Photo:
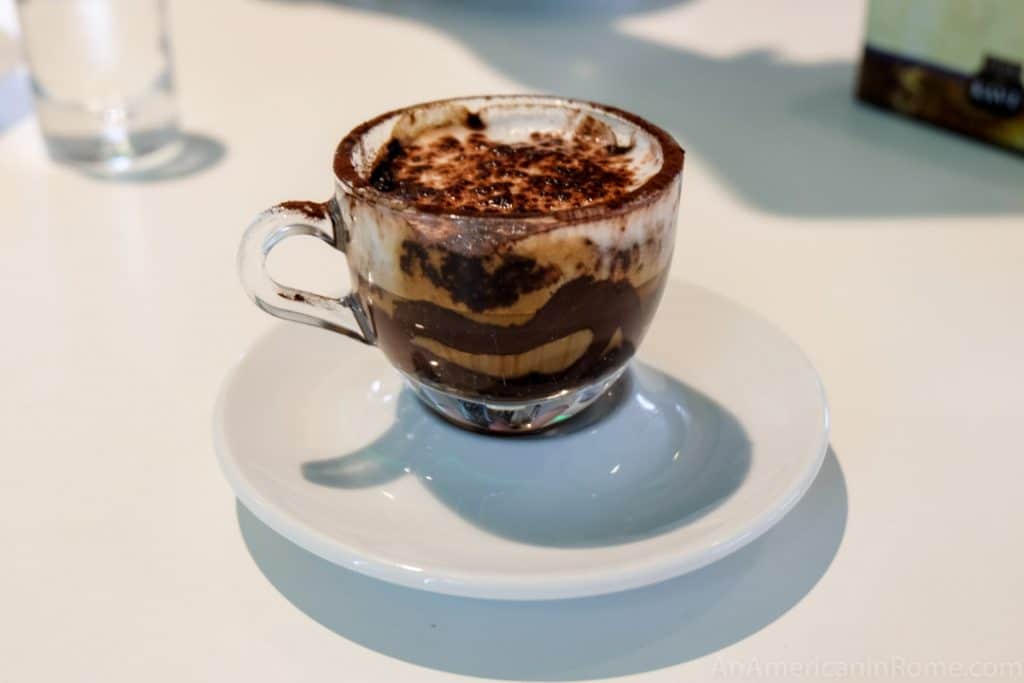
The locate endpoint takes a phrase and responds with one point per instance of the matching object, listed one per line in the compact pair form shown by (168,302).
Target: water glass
(102,79)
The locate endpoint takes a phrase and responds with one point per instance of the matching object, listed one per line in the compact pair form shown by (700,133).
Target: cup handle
(270,228)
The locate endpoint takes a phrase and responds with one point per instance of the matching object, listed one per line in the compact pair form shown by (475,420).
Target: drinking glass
(102,79)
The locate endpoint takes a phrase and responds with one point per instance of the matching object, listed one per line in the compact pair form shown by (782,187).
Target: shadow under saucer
(651,454)
(613,635)
(194,153)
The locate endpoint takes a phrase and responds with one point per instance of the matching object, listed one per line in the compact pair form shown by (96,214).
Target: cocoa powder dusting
(479,176)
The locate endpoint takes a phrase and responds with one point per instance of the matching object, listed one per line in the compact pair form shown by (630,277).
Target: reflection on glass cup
(506,253)
(102,79)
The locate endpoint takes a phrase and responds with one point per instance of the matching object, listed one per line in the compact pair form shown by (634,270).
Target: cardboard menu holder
(953,63)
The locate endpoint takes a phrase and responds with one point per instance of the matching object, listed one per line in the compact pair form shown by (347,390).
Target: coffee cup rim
(352,181)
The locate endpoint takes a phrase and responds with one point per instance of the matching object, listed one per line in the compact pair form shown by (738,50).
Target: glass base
(513,417)
(117,155)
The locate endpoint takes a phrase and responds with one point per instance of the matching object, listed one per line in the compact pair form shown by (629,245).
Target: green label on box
(951,33)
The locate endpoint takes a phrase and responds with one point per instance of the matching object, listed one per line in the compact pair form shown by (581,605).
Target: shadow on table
(786,136)
(614,635)
(571,487)
(194,154)
(15,96)
(15,99)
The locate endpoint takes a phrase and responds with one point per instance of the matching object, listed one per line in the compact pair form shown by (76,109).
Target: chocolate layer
(469,281)
(585,330)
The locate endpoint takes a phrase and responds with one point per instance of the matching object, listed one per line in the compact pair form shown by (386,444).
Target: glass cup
(102,80)
(501,323)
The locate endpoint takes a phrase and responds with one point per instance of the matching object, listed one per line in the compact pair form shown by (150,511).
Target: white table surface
(892,253)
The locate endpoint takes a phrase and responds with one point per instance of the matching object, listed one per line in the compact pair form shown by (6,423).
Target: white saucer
(718,430)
